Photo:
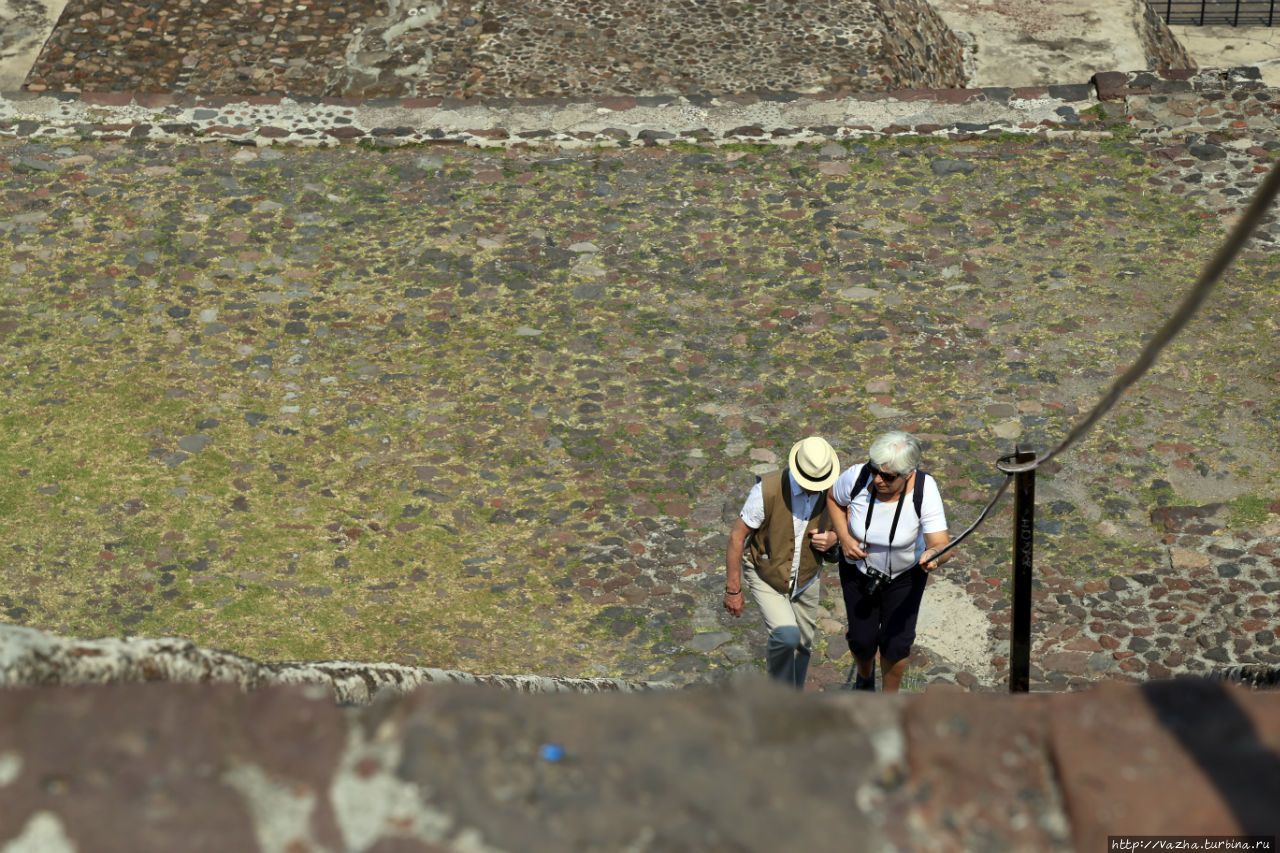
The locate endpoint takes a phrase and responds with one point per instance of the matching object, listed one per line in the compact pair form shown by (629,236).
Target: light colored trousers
(790,623)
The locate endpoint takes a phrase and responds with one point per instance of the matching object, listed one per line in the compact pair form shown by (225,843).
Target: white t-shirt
(908,540)
(801,508)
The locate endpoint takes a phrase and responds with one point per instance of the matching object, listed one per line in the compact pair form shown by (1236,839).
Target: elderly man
(784,528)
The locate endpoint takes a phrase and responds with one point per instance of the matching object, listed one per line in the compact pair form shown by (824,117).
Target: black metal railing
(1232,13)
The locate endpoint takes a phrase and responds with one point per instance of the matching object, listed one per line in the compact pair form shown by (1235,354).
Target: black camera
(873,580)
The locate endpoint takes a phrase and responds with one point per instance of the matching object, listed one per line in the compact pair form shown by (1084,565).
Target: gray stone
(944,167)
(1207,152)
(709,641)
(194,443)
(1101,662)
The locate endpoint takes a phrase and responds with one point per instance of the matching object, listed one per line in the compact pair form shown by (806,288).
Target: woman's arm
(840,520)
(934,542)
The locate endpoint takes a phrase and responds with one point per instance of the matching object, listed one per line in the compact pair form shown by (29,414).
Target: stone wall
(1171,103)
(1175,104)
(920,50)
(500,48)
(33,658)
(1162,47)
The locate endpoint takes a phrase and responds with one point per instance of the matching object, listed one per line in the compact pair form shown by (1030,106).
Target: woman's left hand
(929,560)
(823,541)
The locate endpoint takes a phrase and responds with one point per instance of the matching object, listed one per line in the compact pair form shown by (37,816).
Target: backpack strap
(917,496)
(863,481)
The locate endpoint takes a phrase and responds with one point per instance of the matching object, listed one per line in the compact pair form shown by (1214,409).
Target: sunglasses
(887,476)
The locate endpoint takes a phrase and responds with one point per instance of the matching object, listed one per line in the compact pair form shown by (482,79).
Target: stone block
(1183,757)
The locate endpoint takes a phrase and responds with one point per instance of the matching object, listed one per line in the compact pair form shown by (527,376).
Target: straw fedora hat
(814,464)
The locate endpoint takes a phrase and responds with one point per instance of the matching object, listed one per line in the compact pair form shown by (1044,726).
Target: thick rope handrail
(999,492)
(1239,235)
(1235,241)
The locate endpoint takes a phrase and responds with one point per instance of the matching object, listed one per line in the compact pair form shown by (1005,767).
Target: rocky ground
(495,410)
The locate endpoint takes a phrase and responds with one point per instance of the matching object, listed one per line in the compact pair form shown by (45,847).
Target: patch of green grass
(1248,511)
(749,147)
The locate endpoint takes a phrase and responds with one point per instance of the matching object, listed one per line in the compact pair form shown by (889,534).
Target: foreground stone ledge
(29,657)
(450,767)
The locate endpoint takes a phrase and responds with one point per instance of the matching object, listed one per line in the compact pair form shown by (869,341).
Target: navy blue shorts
(885,620)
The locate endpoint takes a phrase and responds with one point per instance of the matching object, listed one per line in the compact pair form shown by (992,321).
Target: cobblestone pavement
(330,388)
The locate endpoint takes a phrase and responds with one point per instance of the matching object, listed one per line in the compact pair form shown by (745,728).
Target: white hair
(897,451)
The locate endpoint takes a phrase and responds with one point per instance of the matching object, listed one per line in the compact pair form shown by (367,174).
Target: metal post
(1024,514)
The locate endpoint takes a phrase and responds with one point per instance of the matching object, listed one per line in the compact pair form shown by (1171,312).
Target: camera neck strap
(893,525)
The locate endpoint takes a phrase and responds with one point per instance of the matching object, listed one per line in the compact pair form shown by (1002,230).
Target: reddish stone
(913,94)
(1071,663)
(977,769)
(617,104)
(1109,642)
(138,766)
(1169,758)
(107,99)
(156,100)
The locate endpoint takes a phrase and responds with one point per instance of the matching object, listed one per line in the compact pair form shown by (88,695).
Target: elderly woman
(889,518)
